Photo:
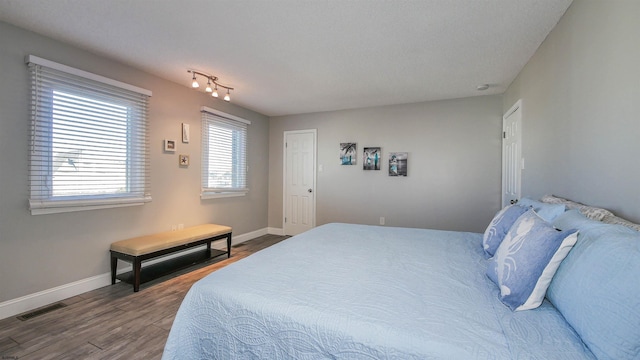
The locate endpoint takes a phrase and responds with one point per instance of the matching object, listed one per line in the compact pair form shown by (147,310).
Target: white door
(512,154)
(299,181)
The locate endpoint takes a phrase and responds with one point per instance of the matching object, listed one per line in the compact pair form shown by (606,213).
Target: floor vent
(41,311)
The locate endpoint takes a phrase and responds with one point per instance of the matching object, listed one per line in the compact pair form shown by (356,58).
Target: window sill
(205,196)
(38,208)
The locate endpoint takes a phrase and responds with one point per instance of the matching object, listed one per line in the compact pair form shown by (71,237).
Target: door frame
(517,107)
(284,173)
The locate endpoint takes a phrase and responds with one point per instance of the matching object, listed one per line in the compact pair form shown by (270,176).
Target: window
(224,154)
(88,140)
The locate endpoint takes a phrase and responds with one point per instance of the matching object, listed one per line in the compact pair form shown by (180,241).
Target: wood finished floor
(113,322)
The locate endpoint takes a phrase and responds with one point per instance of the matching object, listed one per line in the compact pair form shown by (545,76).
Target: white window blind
(89,145)
(224,155)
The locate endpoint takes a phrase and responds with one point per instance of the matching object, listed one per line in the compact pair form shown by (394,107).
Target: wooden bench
(136,250)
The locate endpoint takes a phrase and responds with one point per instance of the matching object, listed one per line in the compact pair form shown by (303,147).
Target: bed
(345,291)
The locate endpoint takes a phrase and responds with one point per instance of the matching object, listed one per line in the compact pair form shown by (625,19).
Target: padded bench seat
(138,249)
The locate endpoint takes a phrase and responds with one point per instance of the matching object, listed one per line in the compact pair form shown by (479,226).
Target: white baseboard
(275,231)
(42,298)
(33,301)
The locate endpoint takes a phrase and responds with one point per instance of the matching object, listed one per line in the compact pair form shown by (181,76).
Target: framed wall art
(398,163)
(372,158)
(183,160)
(185,133)
(348,153)
(169,145)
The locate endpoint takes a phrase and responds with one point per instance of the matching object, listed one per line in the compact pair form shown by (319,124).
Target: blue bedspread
(345,291)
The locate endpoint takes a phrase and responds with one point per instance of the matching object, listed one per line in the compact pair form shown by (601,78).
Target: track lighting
(210,80)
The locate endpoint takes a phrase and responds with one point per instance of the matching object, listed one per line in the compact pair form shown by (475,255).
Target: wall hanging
(183,160)
(169,145)
(398,163)
(372,158)
(348,153)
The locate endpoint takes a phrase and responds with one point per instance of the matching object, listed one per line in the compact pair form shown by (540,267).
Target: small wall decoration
(169,145)
(348,153)
(372,158)
(398,163)
(185,133)
(184,160)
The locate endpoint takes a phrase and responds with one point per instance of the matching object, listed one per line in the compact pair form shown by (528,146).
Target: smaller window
(224,154)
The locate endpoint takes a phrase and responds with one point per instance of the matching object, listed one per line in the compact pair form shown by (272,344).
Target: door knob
(310,190)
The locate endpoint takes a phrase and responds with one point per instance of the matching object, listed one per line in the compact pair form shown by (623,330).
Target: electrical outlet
(180,226)
(173,228)
(381,220)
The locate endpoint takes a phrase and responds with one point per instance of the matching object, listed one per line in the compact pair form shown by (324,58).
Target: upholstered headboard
(592,212)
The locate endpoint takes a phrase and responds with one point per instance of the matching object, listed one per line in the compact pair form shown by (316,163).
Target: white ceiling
(299,56)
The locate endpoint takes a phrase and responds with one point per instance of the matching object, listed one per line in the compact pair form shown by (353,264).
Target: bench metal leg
(137,267)
(229,246)
(114,265)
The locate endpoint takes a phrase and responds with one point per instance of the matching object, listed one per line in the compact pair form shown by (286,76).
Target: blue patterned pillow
(546,211)
(499,227)
(527,259)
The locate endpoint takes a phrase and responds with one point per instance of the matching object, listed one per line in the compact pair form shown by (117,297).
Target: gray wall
(581,108)
(454,164)
(44,251)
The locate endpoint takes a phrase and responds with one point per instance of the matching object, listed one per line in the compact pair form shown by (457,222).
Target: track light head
(208,89)
(195,84)
(227,97)
(215,92)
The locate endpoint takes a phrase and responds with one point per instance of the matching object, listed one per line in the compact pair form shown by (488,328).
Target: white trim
(248,236)
(33,301)
(58,210)
(224,115)
(42,298)
(513,109)
(39,207)
(215,195)
(32,59)
(275,231)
